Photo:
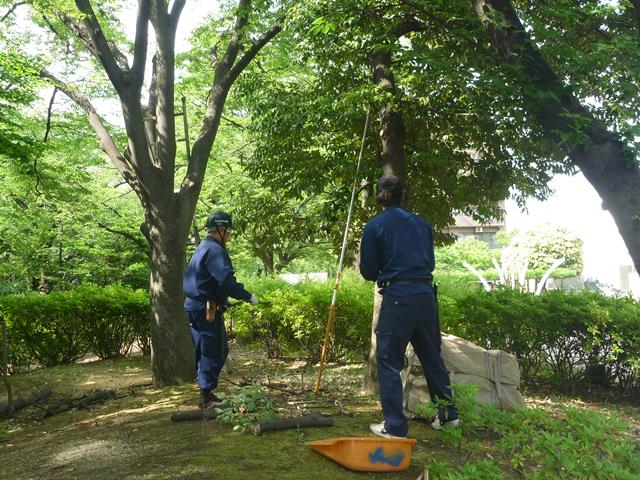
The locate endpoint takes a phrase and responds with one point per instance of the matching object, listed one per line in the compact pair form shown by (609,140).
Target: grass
(132,436)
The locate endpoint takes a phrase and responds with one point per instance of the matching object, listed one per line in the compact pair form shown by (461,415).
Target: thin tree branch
(49,110)
(89,31)
(254,49)
(636,12)
(140,46)
(137,240)
(225,74)
(231,122)
(408,25)
(242,18)
(11,10)
(106,141)
(174,15)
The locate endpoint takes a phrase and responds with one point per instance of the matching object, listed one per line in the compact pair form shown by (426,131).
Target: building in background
(467,227)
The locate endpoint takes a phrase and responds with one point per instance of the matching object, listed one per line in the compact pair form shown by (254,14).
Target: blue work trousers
(211,345)
(404,319)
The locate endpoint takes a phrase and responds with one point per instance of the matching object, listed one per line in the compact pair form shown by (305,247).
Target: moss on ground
(132,436)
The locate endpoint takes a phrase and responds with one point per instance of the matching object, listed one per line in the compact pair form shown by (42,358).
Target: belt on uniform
(424,281)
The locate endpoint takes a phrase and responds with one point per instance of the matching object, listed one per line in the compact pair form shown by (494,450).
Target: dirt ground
(132,436)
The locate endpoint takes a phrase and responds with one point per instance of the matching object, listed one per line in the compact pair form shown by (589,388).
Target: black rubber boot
(208,399)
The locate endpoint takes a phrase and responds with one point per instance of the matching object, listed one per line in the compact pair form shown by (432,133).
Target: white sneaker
(438,425)
(378,429)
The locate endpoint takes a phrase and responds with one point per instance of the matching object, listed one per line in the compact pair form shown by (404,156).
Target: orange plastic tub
(367,454)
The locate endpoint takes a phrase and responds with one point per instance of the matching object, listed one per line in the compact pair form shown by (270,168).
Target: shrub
(63,326)
(293,318)
(570,339)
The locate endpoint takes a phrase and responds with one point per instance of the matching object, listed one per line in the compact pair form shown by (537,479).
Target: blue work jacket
(210,276)
(397,245)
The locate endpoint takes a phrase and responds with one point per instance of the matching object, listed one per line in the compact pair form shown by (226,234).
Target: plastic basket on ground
(367,454)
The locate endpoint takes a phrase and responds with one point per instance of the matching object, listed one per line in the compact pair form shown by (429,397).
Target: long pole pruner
(332,308)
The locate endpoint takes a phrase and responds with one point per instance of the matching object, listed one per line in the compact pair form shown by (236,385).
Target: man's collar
(209,237)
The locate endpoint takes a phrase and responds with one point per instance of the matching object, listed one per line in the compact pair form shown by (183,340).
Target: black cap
(389,183)
(217,220)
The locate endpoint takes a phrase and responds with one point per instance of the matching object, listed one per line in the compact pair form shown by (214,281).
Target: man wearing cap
(207,284)
(397,252)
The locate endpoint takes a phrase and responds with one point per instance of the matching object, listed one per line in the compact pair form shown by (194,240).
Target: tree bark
(392,129)
(172,359)
(605,161)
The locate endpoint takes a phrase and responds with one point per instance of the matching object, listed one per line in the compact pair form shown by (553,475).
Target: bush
(293,318)
(63,326)
(570,339)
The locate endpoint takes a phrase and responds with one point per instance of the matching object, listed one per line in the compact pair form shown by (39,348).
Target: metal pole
(332,308)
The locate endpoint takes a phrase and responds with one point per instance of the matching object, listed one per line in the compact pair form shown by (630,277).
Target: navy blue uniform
(397,252)
(210,276)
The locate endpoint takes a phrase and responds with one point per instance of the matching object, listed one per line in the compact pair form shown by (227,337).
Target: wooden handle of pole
(325,345)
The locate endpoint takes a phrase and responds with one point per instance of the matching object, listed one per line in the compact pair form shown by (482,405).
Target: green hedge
(291,319)
(569,340)
(63,326)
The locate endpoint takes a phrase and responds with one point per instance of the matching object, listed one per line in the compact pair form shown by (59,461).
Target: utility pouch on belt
(212,307)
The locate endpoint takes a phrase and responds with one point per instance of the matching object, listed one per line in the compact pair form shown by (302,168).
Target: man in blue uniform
(207,284)
(397,252)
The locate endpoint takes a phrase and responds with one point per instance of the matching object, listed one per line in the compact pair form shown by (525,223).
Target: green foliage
(62,326)
(535,445)
(245,406)
(571,339)
(293,318)
(69,221)
(311,110)
(475,252)
(547,242)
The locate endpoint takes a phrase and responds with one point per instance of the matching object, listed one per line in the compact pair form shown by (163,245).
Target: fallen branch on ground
(193,415)
(295,422)
(83,402)
(25,401)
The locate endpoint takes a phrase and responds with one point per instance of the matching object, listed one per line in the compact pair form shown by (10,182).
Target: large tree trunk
(605,162)
(392,129)
(392,136)
(172,351)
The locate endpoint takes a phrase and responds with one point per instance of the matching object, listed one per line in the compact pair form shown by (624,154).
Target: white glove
(254,299)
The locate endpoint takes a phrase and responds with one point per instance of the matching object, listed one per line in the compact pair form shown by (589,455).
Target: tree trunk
(172,357)
(392,129)
(371,369)
(605,162)
(392,135)
(267,260)
(148,161)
